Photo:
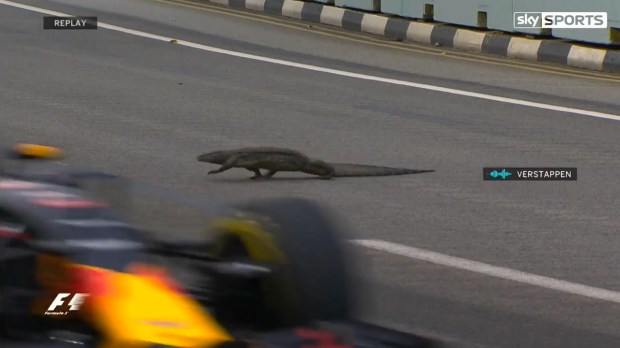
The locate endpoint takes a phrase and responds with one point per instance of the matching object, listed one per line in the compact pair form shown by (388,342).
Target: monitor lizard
(275,160)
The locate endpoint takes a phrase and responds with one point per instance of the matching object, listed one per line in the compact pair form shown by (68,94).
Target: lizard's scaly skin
(275,159)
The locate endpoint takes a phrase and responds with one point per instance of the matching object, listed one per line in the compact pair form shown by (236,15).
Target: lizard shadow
(282,179)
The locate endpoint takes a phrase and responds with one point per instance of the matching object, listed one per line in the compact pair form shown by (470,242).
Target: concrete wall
(498,14)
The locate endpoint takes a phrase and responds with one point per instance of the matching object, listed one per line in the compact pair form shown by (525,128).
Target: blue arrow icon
(503,174)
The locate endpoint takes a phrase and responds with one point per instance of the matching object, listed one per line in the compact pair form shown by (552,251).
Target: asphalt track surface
(145,109)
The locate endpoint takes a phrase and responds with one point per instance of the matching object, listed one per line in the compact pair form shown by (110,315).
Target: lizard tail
(349,170)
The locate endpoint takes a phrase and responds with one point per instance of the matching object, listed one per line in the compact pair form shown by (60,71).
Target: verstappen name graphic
(75,304)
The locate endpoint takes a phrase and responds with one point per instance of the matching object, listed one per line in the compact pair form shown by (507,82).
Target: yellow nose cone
(37,151)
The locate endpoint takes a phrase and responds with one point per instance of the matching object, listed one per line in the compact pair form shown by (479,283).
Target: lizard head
(217,157)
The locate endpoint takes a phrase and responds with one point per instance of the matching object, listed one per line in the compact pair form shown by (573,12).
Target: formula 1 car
(270,273)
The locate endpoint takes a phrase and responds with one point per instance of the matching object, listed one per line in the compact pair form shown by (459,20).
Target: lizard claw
(212,172)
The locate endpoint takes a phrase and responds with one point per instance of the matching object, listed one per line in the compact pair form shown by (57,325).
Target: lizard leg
(270,173)
(257,173)
(226,166)
(327,176)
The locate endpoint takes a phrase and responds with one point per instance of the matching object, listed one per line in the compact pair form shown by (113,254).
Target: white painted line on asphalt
(333,71)
(490,270)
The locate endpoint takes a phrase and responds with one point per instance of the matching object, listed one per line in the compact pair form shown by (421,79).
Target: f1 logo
(74,305)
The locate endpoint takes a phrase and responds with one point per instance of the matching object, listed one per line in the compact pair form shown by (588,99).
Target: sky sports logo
(560,20)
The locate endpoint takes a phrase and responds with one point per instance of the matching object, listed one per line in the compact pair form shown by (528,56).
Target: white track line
(493,271)
(332,71)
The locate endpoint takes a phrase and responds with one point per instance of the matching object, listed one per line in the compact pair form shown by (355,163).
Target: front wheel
(313,282)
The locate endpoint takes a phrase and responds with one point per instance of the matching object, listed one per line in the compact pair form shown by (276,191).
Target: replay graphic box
(69,23)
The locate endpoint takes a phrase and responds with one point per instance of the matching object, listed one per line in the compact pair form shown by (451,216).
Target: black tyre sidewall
(314,283)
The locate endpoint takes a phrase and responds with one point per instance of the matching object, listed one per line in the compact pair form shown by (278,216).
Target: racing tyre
(313,283)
